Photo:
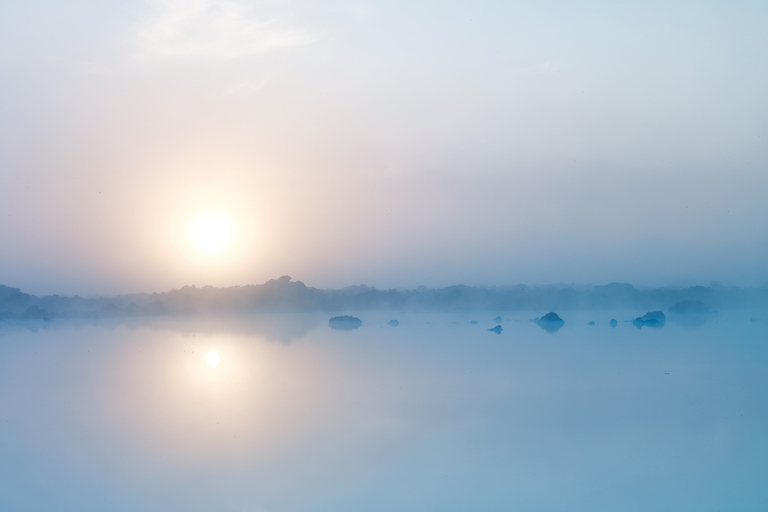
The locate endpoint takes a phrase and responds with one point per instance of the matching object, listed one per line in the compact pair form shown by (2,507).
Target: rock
(650,319)
(496,329)
(473,322)
(393,323)
(344,323)
(551,317)
(550,322)
(591,324)
(614,322)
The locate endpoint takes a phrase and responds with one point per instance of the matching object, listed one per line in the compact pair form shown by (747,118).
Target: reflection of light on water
(212,397)
(212,358)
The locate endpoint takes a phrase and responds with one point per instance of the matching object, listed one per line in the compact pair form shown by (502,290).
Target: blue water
(434,414)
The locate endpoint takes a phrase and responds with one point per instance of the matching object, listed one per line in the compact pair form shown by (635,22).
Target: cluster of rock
(551,322)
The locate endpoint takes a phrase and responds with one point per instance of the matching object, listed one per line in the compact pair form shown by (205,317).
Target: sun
(212,233)
(212,358)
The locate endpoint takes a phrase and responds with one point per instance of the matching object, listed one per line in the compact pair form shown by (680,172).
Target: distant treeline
(284,295)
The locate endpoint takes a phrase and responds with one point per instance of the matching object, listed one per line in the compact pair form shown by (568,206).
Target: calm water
(435,414)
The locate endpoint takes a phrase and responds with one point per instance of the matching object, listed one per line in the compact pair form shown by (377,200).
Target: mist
(305,255)
(393,145)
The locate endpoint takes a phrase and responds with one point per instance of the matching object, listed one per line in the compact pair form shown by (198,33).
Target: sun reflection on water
(217,397)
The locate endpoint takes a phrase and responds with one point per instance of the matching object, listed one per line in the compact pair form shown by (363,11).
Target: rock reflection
(689,321)
(550,328)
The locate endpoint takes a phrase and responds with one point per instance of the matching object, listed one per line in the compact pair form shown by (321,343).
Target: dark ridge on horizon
(285,295)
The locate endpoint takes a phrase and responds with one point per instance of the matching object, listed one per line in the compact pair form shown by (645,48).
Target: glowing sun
(212,358)
(212,233)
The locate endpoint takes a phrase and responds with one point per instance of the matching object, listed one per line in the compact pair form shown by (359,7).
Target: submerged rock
(690,313)
(689,307)
(473,322)
(344,323)
(614,322)
(496,329)
(655,319)
(549,322)
(497,319)
(393,323)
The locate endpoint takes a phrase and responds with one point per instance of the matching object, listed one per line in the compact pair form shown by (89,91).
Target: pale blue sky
(390,143)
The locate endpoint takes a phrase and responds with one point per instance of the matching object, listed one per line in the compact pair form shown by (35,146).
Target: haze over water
(393,144)
(161,159)
(435,414)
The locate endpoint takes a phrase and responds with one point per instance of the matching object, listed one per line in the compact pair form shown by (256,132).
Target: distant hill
(285,295)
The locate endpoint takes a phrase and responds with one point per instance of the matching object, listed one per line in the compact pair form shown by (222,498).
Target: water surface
(434,414)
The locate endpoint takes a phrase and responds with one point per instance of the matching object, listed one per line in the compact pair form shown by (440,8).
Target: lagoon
(436,413)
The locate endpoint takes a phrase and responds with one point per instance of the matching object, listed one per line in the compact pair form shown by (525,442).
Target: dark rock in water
(592,324)
(689,307)
(614,322)
(550,322)
(550,317)
(496,329)
(650,319)
(497,319)
(344,323)
(473,322)
(393,323)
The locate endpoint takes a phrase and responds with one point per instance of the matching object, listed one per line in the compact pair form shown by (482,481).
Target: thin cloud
(360,12)
(215,30)
(245,88)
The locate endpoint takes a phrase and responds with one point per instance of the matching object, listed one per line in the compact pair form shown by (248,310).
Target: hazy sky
(388,143)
